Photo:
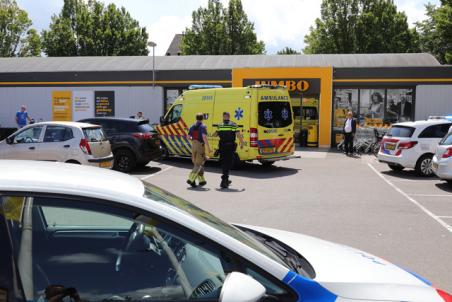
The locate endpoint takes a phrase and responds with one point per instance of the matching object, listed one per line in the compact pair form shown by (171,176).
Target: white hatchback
(413,144)
(68,142)
(442,161)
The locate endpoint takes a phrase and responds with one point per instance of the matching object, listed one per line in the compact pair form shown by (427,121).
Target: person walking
(199,143)
(228,132)
(349,133)
(22,117)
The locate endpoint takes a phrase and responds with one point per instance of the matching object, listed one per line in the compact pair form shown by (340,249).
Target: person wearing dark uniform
(228,132)
(199,143)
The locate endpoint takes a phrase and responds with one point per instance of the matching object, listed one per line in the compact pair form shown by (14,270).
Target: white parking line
(412,200)
(159,172)
(446,217)
(431,195)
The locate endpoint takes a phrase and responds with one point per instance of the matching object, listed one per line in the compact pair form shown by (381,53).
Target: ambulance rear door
(238,103)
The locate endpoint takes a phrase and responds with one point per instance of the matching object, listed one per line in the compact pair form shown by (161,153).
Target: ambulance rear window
(274,114)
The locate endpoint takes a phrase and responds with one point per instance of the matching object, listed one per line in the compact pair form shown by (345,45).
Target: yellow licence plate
(105,164)
(267,150)
(390,146)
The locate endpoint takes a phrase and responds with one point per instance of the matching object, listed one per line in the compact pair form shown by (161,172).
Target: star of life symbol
(285,114)
(268,115)
(238,113)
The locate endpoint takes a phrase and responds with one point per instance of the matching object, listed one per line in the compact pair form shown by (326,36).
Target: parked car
(134,142)
(97,235)
(442,161)
(412,145)
(68,142)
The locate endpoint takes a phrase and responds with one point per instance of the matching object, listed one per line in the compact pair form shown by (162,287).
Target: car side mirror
(10,140)
(239,287)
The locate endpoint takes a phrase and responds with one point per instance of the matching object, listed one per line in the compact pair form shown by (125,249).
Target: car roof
(423,123)
(118,119)
(63,123)
(61,178)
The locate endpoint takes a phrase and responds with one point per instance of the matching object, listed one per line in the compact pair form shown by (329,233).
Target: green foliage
(89,28)
(435,33)
(217,30)
(360,26)
(16,37)
(288,51)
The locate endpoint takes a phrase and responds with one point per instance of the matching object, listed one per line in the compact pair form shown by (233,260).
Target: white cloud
(163,30)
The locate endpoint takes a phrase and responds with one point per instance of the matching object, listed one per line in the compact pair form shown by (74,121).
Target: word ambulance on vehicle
(263,114)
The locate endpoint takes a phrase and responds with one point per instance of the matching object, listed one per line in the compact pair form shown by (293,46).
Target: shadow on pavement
(444,186)
(252,170)
(198,189)
(407,174)
(230,190)
(145,171)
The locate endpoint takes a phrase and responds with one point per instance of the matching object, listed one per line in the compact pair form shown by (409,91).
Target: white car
(412,145)
(99,235)
(68,142)
(442,161)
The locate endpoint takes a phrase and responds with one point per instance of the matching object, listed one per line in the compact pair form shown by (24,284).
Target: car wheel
(424,165)
(395,167)
(73,162)
(143,164)
(449,182)
(165,151)
(124,160)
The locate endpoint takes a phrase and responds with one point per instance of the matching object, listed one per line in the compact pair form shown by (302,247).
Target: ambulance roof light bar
(196,87)
(268,86)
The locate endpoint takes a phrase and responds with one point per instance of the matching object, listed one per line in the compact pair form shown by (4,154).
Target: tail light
(404,146)
(448,153)
(253,137)
(84,146)
(143,136)
(446,297)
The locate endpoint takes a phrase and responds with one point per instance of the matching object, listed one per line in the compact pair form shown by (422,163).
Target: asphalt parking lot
(356,201)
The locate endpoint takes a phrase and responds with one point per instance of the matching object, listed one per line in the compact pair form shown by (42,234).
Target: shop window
(344,100)
(399,105)
(371,107)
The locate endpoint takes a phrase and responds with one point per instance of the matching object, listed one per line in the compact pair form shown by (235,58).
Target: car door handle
(67,146)
(31,148)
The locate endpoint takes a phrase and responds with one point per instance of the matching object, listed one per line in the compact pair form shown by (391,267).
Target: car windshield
(400,131)
(447,140)
(159,195)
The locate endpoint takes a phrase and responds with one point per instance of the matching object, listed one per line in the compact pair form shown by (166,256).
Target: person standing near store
(199,143)
(22,117)
(228,132)
(349,133)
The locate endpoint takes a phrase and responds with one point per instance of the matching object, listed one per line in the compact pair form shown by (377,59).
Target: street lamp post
(153,45)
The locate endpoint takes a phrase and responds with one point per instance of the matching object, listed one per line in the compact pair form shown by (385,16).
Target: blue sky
(278,23)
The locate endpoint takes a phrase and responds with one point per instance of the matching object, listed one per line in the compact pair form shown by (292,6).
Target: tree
(89,28)
(217,30)
(17,39)
(435,33)
(288,51)
(360,26)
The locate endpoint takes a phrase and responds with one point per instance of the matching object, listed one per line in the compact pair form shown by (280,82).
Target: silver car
(442,161)
(68,142)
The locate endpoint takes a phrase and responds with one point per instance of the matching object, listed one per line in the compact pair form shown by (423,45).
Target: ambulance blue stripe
(308,290)
(167,142)
(183,145)
(176,145)
(269,143)
(187,141)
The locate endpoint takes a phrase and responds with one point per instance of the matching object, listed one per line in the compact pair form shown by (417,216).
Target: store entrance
(306,119)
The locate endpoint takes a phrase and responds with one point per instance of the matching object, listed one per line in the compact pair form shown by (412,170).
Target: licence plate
(105,164)
(390,146)
(267,150)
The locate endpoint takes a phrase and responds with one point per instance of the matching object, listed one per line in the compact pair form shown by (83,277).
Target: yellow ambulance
(263,114)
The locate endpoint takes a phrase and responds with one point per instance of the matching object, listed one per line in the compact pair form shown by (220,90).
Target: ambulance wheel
(165,152)
(267,164)
(237,164)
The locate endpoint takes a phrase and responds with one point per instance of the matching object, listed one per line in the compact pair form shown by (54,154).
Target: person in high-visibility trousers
(200,144)
(228,132)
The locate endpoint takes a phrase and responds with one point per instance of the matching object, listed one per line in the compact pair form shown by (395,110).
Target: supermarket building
(380,89)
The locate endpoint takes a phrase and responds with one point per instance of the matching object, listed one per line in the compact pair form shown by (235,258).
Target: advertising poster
(83,105)
(104,103)
(62,105)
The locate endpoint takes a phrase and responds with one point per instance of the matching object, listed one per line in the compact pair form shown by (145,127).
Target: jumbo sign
(295,86)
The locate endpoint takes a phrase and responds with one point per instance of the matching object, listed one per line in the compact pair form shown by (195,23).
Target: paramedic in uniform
(198,136)
(227,131)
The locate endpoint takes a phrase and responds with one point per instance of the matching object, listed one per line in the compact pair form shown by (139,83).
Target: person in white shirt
(349,133)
